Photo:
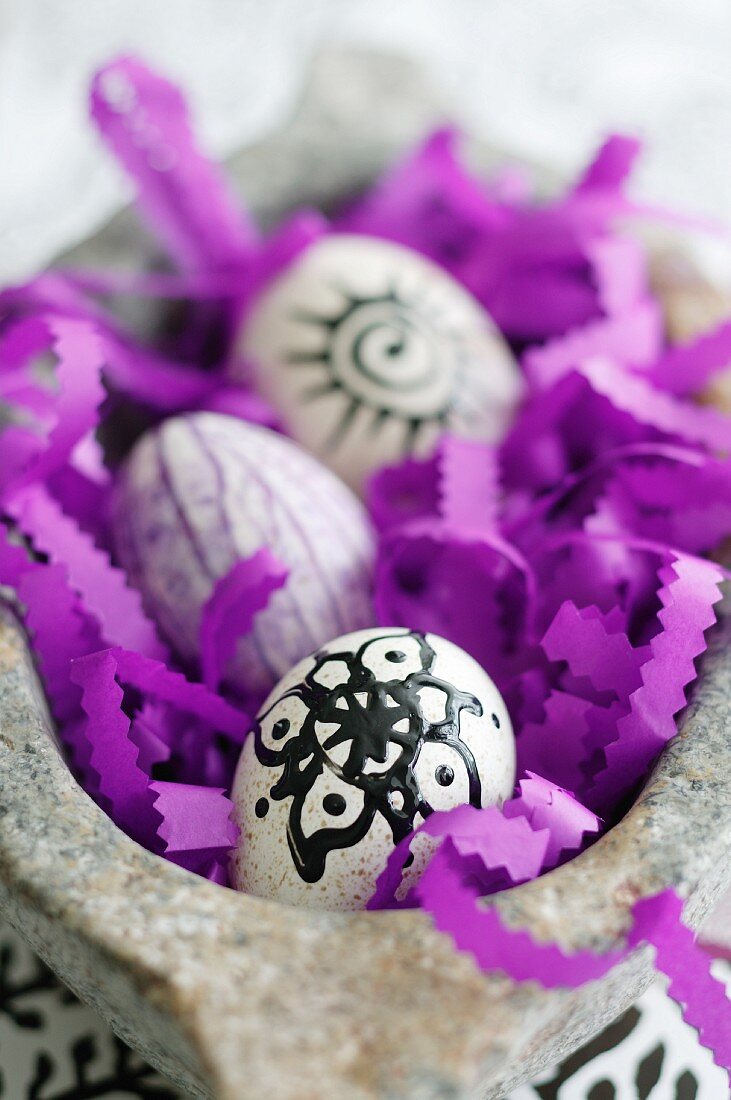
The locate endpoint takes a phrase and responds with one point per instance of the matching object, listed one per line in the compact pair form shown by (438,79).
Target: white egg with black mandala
(352,750)
(369,351)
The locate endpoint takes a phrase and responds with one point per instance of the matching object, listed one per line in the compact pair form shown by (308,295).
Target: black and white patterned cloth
(54,1048)
(647,1054)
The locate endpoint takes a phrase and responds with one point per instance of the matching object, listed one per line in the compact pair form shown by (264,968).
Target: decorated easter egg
(355,747)
(369,351)
(203,491)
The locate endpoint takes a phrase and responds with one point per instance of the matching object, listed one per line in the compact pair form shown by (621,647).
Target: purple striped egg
(202,491)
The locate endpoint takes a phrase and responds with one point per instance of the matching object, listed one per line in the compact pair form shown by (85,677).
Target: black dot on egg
(496,721)
(396,656)
(261,808)
(280,729)
(333,804)
(444,775)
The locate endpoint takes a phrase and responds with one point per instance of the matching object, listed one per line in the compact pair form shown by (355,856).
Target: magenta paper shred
(569,560)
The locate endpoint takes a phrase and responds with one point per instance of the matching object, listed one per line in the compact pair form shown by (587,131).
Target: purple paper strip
(185,196)
(232,607)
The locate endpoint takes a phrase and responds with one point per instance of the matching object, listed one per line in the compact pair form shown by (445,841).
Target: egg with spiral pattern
(354,747)
(203,491)
(369,351)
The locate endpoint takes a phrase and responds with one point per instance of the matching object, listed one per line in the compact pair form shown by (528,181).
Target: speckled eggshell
(202,491)
(369,351)
(322,786)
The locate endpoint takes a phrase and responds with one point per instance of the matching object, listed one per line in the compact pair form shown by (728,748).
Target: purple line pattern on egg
(201,492)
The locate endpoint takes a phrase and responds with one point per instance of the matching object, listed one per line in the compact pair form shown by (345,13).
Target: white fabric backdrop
(544,77)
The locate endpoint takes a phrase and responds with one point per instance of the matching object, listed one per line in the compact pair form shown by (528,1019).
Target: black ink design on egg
(280,729)
(370,717)
(334,804)
(444,775)
(386,354)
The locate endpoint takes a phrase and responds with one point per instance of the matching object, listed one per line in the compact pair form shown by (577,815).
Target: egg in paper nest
(369,351)
(352,750)
(201,492)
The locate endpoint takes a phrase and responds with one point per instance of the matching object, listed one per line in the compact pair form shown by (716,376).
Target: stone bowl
(237,998)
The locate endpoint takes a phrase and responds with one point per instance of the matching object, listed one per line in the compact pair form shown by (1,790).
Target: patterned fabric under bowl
(235,997)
